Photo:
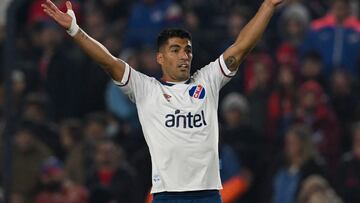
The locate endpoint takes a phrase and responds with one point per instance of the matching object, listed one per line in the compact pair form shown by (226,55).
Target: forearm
(253,31)
(249,36)
(100,55)
(93,48)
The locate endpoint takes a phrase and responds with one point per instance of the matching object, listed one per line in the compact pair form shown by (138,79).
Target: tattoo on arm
(83,35)
(231,63)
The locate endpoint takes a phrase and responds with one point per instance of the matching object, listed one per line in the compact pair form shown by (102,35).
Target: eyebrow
(174,46)
(178,46)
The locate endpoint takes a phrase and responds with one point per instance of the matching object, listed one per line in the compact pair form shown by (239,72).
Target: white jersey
(180,125)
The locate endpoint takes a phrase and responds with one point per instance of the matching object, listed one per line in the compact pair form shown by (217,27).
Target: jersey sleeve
(216,74)
(135,84)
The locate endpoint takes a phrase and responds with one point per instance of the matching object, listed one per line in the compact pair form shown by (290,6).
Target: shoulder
(218,66)
(352,23)
(324,22)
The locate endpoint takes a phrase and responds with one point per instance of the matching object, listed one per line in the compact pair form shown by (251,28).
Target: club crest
(197,92)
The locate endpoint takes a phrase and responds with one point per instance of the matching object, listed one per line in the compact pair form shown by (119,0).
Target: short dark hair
(170,33)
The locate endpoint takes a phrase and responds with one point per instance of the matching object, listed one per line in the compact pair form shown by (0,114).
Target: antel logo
(185,120)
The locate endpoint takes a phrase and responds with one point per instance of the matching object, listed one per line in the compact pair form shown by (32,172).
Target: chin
(183,77)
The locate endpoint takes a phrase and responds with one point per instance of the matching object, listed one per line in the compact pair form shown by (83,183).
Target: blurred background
(289,120)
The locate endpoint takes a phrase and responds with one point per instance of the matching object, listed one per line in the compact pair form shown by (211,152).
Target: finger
(52,5)
(44,6)
(49,13)
(68,5)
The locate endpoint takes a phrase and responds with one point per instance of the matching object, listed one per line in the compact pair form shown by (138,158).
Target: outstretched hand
(63,19)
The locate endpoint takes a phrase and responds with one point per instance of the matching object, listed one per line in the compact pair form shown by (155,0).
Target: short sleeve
(217,74)
(134,84)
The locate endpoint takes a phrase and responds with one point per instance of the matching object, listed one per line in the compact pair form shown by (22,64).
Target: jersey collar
(171,84)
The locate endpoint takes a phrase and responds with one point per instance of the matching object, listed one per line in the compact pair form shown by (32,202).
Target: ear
(160,58)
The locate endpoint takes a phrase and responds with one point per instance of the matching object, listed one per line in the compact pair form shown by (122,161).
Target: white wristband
(74,27)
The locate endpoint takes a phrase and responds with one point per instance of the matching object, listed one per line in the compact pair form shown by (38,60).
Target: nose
(184,55)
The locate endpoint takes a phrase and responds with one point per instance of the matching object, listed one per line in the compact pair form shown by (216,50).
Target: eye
(175,50)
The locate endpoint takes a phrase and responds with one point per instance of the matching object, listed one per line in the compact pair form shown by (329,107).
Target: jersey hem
(186,189)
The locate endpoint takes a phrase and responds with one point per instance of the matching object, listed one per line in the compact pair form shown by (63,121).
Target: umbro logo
(167,97)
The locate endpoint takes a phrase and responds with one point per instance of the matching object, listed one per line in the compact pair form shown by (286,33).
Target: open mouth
(183,66)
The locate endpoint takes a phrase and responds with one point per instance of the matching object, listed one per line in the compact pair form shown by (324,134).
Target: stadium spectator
(28,155)
(236,20)
(116,12)
(59,72)
(147,19)
(299,162)
(314,112)
(315,189)
(235,178)
(111,179)
(55,187)
(258,70)
(344,99)
(200,35)
(3,6)
(238,132)
(35,13)
(17,198)
(71,135)
(336,36)
(148,64)
(82,157)
(247,143)
(35,112)
(281,104)
(348,177)
(287,55)
(312,68)
(293,23)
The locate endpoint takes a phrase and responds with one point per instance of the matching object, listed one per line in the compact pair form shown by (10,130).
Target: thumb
(68,5)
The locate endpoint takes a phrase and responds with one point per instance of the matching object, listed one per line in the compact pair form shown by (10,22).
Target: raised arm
(112,65)
(250,35)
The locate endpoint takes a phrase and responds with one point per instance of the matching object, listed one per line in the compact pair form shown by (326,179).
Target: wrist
(269,4)
(73,30)
(74,27)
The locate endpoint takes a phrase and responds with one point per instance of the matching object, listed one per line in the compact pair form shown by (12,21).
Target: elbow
(240,50)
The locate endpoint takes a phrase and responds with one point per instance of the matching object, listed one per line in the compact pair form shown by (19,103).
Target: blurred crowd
(289,120)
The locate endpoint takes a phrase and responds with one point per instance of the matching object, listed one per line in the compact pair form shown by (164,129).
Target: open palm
(60,17)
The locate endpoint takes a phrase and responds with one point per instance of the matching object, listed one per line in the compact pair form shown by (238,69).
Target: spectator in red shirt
(56,188)
(314,111)
(282,102)
(112,179)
